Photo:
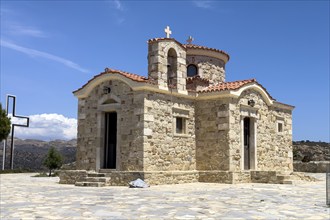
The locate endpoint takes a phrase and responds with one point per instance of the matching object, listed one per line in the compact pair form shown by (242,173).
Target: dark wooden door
(110,140)
(247,143)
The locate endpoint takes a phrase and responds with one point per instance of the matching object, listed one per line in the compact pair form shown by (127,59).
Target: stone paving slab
(26,197)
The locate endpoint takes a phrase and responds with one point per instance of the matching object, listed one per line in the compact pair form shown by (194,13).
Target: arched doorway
(172,68)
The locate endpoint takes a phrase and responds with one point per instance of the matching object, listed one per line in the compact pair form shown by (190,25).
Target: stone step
(286,177)
(278,173)
(283,177)
(90,184)
(287,182)
(104,171)
(96,179)
(95,174)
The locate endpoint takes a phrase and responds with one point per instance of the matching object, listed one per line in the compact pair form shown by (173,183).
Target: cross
(190,39)
(168,31)
(12,131)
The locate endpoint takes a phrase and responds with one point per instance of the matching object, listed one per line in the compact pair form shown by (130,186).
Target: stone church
(183,123)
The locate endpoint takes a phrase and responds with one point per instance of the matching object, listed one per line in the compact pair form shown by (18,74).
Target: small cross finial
(168,31)
(190,39)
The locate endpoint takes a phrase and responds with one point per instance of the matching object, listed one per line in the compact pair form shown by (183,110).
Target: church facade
(183,123)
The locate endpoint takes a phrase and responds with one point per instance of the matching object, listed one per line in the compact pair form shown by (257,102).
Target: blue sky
(51,48)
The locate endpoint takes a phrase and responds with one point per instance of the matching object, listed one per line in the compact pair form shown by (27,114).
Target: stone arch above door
(109,102)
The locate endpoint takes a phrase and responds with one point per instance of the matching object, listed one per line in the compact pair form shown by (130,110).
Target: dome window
(192,70)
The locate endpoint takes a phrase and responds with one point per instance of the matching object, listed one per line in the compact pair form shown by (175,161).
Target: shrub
(4,124)
(53,160)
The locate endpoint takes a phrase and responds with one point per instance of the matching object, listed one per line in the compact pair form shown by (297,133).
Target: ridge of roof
(235,85)
(189,46)
(152,40)
(227,86)
(161,39)
(194,46)
(131,76)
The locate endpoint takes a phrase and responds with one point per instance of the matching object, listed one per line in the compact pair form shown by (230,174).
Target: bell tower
(167,63)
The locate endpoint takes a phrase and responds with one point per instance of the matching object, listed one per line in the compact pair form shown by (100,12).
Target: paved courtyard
(26,197)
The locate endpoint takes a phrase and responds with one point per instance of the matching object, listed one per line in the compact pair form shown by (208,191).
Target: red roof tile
(228,86)
(196,78)
(131,76)
(193,82)
(193,46)
(232,86)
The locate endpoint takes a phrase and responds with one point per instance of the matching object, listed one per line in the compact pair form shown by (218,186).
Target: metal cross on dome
(190,39)
(168,32)
(13,130)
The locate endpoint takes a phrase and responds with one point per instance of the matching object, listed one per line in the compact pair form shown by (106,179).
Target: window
(180,125)
(191,70)
(180,121)
(279,127)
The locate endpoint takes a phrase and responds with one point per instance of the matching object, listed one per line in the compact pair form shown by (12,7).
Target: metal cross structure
(168,31)
(13,125)
(190,39)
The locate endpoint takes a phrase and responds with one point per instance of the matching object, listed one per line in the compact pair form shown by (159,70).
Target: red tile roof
(196,78)
(131,76)
(193,82)
(193,46)
(232,86)
(228,86)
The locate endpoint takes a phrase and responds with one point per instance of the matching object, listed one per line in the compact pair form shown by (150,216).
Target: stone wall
(209,68)
(215,176)
(164,149)
(91,111)
(264,177)
(171,177)
(312,166)
(71,176)
(212,123)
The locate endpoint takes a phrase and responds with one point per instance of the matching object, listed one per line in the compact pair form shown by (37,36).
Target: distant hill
(314,151)
(29,154)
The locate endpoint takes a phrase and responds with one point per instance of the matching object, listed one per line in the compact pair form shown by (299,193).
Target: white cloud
(37,53)
(118,5)
(117,10)
(15,29)
(47,127)
(12,27)
(203,4)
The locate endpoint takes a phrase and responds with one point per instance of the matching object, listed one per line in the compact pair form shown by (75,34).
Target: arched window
(172,67)
(192,70)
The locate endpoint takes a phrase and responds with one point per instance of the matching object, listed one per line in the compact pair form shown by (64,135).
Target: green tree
(4,124)
(53,160)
